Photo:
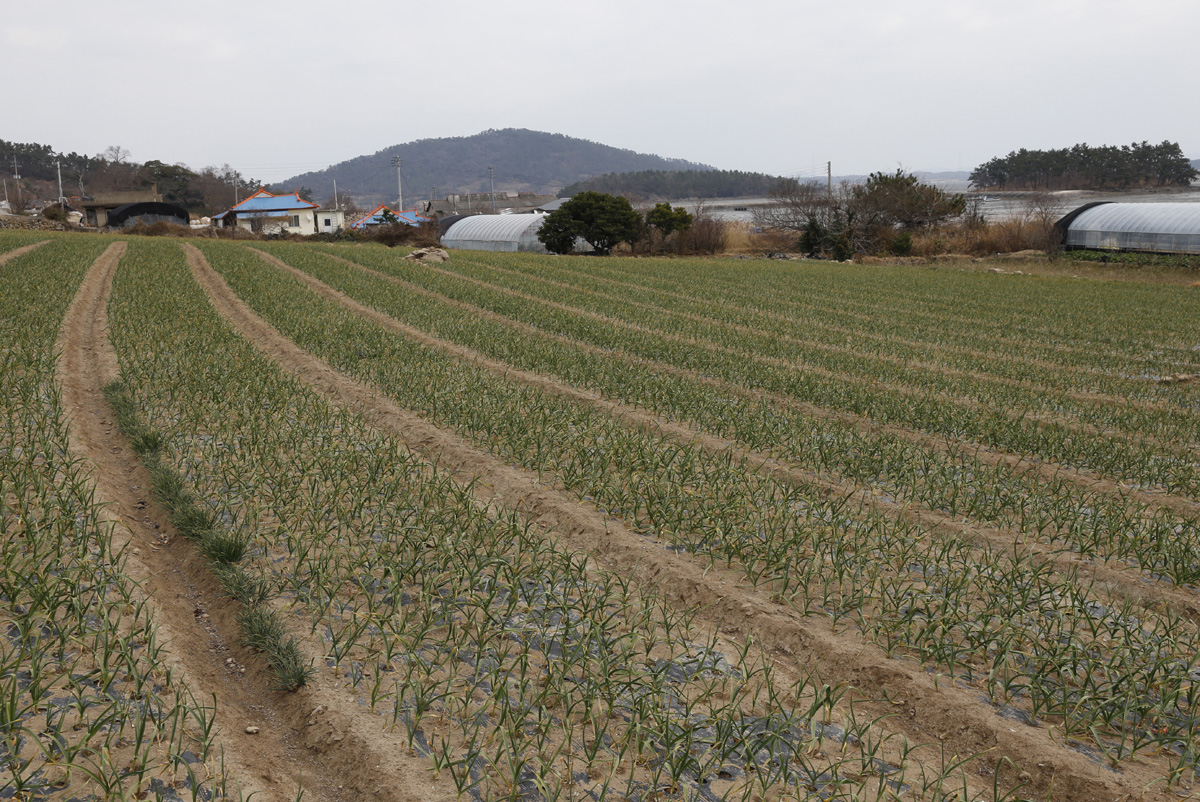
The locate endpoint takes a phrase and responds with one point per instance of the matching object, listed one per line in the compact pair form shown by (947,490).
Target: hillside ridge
(523,160)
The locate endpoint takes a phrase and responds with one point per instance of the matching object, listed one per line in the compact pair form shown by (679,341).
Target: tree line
(1140,164)
(653,184)
(205,191)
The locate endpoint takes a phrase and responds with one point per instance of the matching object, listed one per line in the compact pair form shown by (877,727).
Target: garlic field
(287,520)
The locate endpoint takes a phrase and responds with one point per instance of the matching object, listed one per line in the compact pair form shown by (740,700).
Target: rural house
(266,213)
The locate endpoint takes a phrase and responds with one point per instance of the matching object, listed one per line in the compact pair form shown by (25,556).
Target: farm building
(97,209)
(1156,227)
(496,232)
(148,212)
(375,218)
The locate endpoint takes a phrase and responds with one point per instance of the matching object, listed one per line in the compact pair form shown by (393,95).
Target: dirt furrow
(932,712)
(24,249)
(770,361)
(302,740)
(1120,580)
(931,367)
(940,444)
(949,317)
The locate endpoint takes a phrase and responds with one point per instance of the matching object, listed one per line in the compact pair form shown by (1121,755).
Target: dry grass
(985,239)
(739,238)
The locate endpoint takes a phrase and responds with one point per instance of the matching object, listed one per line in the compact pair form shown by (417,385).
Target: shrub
(160,229)
(422,236)
(706,235)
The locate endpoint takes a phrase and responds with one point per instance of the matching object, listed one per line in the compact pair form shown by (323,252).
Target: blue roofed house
(266,213)
(376,218)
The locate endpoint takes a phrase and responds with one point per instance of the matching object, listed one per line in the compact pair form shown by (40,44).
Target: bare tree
(115,154)
(18,201)
(792,205)
(706,234)
(343,201)
(1042,211)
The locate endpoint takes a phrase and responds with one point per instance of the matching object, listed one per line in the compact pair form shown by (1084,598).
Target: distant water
(995,206)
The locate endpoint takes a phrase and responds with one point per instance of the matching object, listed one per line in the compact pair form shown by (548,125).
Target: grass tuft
(261,628)
(223,547)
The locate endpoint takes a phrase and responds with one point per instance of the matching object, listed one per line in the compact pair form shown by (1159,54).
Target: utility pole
(16,180)
(58,162)
(829,178)
(492,181)
(336,205)
(396,160)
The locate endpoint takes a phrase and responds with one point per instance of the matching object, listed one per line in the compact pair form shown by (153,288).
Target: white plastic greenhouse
(496,232)
(1158,227)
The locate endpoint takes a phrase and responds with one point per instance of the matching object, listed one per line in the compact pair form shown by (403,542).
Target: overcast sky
(276,89)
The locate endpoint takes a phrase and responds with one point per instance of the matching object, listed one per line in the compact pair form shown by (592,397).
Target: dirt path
(1119,580)
(306,738)
(930,712)
(936,443)
(24,249)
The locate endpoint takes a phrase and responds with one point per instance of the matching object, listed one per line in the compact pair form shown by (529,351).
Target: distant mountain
(1196,163)
(523,160)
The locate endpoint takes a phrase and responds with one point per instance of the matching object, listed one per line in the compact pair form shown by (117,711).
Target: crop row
(88,702)
(956,483)
(1000,416)
(875,333)
(503,658)
(11,239)
(937,598)
(1002,423)
(1077,322)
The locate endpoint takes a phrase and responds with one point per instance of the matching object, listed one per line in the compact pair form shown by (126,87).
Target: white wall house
(272,214)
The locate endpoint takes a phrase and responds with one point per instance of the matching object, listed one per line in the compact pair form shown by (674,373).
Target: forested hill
(523,160)
(1083,167)
(670,184)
